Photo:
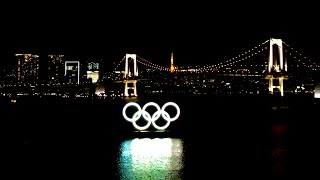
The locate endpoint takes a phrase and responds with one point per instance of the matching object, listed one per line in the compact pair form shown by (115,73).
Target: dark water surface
(214,138)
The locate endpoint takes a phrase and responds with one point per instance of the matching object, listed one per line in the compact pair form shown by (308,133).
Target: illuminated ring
(151,119)
(143,127)
(135,116)
(166,125)
(147,116)
(168,117)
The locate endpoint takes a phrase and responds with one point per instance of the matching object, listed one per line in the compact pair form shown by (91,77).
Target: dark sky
(196,31)
(188,47)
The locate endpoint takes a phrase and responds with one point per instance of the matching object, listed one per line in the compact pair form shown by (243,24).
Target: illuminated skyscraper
(72,71)
(56,68)
(28,68)
(93,71)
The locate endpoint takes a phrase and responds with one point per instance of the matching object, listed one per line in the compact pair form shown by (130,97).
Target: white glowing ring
(168,117)
(151,119)
(134,118)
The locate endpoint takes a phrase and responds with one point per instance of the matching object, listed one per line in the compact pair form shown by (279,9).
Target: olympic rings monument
(151,119)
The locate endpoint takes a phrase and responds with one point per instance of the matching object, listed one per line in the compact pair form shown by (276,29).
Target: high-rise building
(93,71)
(28,68)
(72,72)
(56,68)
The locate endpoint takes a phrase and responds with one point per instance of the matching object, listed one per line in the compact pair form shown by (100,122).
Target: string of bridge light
(152,65)
(119,63)
(237,59)
(303,57)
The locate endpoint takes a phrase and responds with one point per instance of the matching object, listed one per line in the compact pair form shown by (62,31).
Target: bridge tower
(130,74)
(277,67)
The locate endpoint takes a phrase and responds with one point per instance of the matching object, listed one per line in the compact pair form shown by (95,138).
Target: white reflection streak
(151,158)
(151,153)
(176,163)
(151,147)
(317,91)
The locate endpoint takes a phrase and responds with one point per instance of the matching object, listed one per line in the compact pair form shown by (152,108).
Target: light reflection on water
(145,158)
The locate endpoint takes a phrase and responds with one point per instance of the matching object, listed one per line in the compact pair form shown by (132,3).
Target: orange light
(171,68)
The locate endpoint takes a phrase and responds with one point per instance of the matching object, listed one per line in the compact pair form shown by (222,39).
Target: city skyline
(71,125)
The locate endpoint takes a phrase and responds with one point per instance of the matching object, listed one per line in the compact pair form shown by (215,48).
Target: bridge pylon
(130,74)
(277,67)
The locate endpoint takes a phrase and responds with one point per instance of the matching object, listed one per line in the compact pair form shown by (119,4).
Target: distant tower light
(172,65)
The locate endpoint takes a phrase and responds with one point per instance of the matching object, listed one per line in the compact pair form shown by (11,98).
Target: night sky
(195,31)
(197,48)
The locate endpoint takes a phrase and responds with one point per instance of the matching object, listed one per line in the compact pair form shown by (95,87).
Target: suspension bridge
(272,61)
